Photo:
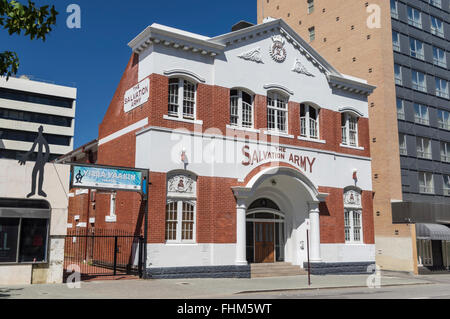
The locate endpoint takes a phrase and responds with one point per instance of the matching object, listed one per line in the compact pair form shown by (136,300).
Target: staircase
(276,270)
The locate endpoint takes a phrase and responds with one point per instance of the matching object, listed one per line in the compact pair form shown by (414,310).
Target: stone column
(241,236)
(314,234)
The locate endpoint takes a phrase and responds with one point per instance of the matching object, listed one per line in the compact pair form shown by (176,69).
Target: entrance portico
(295,200)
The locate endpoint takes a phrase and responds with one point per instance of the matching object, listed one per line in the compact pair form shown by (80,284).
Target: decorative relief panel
(301,69)
(352,199)
(277,50)
(181,185)
(252,55)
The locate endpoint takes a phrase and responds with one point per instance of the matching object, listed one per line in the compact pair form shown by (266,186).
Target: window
(309,121)
(445,152)
(181,208)
(439,57)
(35,98)
(353,217)
(241,109)
(24,231)
(436,3)
(444,120)
(394,9)
(446,185)
(400,109)
(402,143)
(418,81)
(396,41)
(423,148)
(312,33)
(421,115)
(426,183)
(441,88)
(414,17)
(310,6)
(416,49)
(17,115)
(182,108)
(398,74)
(437,27)
(349,124)
(277,110)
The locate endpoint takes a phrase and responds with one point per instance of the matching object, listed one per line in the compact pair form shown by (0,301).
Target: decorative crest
(277,50)
(301,69)
(252,55)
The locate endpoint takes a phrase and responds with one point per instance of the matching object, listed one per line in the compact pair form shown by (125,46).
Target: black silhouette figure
(41,160)
(79,177)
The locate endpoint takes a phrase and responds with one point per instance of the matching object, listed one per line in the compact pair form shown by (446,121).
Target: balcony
(424,155)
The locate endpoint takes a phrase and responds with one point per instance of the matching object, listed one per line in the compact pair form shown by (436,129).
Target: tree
(35,22)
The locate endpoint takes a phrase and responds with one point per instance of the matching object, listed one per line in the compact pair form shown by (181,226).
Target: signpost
(113,178)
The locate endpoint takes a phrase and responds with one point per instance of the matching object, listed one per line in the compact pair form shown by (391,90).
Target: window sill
(110,219)
(352,147)
(306,139)
(177,119)
(182,243)
(244,129)
(279,134)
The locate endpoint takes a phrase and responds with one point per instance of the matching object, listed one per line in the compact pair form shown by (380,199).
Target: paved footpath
(197,288)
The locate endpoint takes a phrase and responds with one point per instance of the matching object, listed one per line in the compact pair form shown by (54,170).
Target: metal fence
(98,252)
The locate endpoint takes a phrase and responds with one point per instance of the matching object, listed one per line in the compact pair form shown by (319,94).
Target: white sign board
(137,95)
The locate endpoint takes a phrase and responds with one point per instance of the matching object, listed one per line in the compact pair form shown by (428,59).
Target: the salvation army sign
(137,95)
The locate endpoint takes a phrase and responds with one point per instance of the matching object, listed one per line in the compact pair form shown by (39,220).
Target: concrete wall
(15,182)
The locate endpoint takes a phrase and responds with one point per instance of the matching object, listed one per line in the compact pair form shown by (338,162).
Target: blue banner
(106,178)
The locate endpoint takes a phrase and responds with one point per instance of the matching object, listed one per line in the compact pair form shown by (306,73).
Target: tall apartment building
(402,48)
(25,105)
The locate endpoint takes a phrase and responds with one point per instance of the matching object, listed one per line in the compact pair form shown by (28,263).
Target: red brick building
(251,138)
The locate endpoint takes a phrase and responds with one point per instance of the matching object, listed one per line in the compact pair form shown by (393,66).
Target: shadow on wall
(5,293)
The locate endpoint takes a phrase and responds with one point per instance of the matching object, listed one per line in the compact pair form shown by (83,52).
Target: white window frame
(413,19)
(445,152)
(180,100)
(396,41)
(394,9)
(402,144)
(347,128)
(179,226)
(417,84)
(436,3)
(439,57)
(278,98)
(420,118)
(401,109)
(416,49)
(436,30)
(398,76)
(423,146)
(444,124)
(240,109)
(441,88)
(350,226)
(306,121)
(446,186)
(427,187)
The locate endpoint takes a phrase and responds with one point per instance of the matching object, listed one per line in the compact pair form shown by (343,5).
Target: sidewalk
(192,288)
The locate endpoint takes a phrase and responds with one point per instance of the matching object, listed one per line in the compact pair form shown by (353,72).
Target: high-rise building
(25,105)
(402,48)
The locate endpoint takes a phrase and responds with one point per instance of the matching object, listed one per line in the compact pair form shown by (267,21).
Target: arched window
(349,129)
(181,208)
(353,216)
(277,112)
(241,109)
(309,121)
(182,98)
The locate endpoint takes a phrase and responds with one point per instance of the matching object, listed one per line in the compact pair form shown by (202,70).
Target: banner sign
(137,95)
(106,178)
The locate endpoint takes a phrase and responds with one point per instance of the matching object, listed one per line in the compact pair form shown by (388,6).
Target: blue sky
(93,58)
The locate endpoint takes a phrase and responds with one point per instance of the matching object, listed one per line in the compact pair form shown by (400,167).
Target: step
(275,270)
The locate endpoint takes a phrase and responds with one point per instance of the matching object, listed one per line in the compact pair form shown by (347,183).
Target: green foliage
(35,22)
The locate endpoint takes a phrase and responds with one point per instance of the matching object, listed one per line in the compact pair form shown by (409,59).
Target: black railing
(98,252)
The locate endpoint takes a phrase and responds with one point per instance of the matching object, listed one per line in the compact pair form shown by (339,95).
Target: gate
(97,253)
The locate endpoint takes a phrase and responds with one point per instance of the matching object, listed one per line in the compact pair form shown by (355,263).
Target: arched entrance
(265,232)
(273,212)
